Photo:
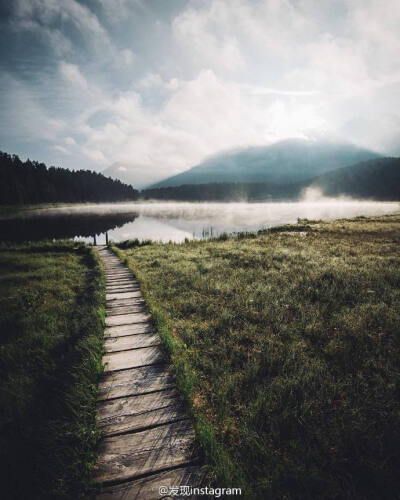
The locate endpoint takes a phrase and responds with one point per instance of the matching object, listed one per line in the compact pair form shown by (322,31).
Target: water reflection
(175,221)
(44,226)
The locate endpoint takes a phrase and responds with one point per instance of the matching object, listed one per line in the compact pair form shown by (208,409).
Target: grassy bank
(51,319)
(286,345)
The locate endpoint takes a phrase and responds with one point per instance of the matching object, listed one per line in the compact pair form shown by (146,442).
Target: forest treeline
(32,182)
(223,191)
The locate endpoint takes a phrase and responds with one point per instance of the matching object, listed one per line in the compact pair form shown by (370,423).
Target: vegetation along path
(148,441)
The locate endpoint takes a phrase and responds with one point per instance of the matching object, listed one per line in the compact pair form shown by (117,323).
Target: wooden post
(94,240)
(106,238)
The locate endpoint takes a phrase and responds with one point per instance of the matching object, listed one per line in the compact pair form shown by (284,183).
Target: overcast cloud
(158,85)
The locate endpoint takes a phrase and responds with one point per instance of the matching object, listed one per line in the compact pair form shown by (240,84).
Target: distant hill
(377,179)
(288,161)
(32,182)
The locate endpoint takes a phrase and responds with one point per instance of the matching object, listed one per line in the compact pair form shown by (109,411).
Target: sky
(156,86)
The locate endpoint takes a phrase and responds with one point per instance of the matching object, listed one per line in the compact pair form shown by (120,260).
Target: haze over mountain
(287,161)
(376,179)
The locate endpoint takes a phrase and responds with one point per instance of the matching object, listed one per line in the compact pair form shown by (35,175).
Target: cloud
(127,56)
(72,74)
(197,31)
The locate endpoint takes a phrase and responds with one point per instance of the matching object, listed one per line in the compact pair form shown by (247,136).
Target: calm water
(175,221)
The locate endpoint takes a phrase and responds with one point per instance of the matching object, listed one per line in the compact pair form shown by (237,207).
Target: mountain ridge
(375,179)
(291,160)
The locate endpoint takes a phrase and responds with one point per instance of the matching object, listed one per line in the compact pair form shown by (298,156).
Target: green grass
(286,346)
(51,323)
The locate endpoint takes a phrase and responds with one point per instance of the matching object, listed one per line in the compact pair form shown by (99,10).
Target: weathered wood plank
(131,359)
(135,381)
(131,455)
(135,405)
(126,319)
(122,415)
(133,423)
(132,329)
(129,277)
(118,274)
(119,284)
(115,344)
(123,295)
(126,310)
(117,269)
(124,302)
(148,488)
(128,287)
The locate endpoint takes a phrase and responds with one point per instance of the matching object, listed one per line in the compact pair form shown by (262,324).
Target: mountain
(377,179)
(32,182)
(287,161)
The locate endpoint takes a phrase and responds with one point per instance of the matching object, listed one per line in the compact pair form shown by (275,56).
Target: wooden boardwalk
(148,440)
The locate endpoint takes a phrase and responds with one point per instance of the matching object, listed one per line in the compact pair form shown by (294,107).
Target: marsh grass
(286,346)
(51,319)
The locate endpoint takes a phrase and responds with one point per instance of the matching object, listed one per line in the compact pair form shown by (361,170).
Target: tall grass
(51,318)
(287,348)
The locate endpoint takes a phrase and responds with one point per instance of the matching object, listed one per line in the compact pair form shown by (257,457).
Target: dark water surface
(175,221)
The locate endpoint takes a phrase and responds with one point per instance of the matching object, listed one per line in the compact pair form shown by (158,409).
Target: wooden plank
(136,413)
(129,276)
(117,270)
(152,418)
(132,329)
(126,282)
(122,287)
(117,304)
(130,455)
(126,319)
(135,405)
(131,359)
(126,310)
(134,382)
(115,344)
(148,488)
(125,302)
(123,273)
(123,295)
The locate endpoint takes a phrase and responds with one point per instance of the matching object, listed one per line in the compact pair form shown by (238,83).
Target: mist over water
(175,221)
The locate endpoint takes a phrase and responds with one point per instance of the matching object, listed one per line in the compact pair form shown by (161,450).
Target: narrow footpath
(148,447)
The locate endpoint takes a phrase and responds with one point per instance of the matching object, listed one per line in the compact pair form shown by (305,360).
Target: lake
(171,221)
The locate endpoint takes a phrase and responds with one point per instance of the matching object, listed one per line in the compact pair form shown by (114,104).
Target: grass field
(51,323)
(286,345)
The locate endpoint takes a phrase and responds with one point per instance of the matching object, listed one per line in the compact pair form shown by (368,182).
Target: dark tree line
(32,182)
(237,191)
